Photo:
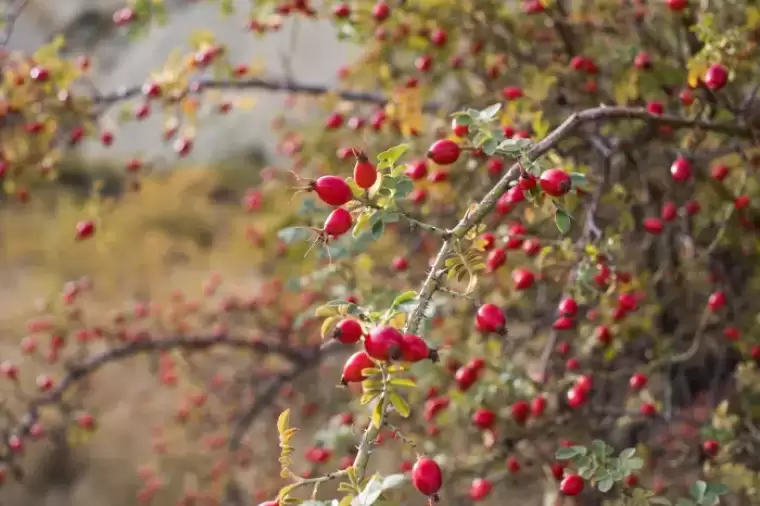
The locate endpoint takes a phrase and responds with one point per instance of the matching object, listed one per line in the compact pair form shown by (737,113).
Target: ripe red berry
(677,5)
(513,465)
(716,77)
(484,418)
(490,318)
(356,363)
(568,307)
(381,11)
(332,190)
(572,485)
(414,348)
(338,222)
(444,152)
(719,172)
(465,377)
(365,174)
(638,381)
(85,229)
(680,170)
(731,334)
(576,397)
(348,331)
(642,61)
(480,488)
(400,264)
(520,412)
(716,301)
(384,343)
(523,278)
(648,409)
(555,182)
(563,323)
(669,211)
(537,406)
(495,259)
(416,170)
(426,476)
(710,447)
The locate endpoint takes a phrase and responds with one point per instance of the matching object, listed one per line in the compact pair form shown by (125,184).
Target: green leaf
(634,463)
(508,146)
(697,490)
(566,453)
(377,229)
(684,502)
(370,494)
(490,146)
(586,471)
(391,217)
(462,119)
(562,220)
(578,179)
(404,186)
(627,453)
(377,415)
(490,112)
(404,297)
(389,157)
(399,404)
(662,501)
(580,450)
(605,485)
(709,499)
(293,234)
(393,481)
(717,489)
(600,449)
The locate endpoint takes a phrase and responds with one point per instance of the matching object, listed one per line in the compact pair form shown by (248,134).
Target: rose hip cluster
(384,344)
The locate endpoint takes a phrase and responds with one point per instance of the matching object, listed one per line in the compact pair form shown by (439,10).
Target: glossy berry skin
(523,278)
(716,301)
(568,307)
(716,77)
(572,485)
(681,170)
(710,447)
(555,182)
(648,409)
(576,397)
(520,412)
(465,377)
(495,259)
(348,331)
(490,318)
(384,343)
(677,5)
(338,222)
(444,152)
(638,381)
(484,418)
(365,174)
(85,229)
(513,465)
(480,488)
(332,190)
(414,348)
(426,476)
(356,363)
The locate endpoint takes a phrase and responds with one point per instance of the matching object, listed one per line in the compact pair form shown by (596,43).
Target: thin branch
(77,372)
(10,21)
(273,85)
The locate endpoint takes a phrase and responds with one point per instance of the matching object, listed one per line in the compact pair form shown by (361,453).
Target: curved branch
(78,371)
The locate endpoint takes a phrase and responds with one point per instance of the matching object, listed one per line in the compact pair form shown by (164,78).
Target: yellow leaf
(696,71)
(370,371)
(472,284)
(283,422)
(327,325)
(323,311)
(367,397)
(399,404)
(364,263)
(398,321)
(403,382)
(346,501)
(377,415)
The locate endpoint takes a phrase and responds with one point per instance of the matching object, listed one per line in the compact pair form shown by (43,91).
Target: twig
(10,21)
(274,85)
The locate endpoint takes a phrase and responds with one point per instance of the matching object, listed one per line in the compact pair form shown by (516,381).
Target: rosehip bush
(527,230)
